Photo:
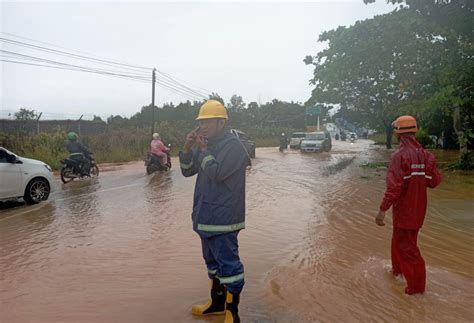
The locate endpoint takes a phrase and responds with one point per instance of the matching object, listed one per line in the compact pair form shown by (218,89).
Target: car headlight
(48,167)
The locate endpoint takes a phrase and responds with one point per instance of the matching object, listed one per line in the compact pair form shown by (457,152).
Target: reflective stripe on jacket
(219,194)
(412,169)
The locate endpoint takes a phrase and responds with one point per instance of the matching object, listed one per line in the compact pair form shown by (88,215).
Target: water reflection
(123,247)
(80,205)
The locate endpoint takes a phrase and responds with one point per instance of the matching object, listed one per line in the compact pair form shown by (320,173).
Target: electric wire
(166,81)
(181,84)
(74,69)
(69,49)
(100,61)
(71,65)
(58,52)
(163,84)
(205,91)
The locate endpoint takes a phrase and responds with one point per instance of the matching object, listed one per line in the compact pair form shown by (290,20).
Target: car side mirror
(13,160)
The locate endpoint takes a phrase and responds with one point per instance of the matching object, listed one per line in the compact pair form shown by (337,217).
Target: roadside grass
(116,145)
(375,165)
(338,166)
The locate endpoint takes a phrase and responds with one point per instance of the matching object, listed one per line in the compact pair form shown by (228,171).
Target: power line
(99,61)
(182,85)
(167,81)
(71,65)
(161,82)
(58,52)
(74,69)
(69,49)
(184,82)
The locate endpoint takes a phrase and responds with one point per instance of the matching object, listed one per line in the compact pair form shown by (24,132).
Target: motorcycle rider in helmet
(283,142)
(158,149)
(79,153)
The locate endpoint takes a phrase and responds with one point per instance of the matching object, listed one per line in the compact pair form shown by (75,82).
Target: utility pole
(79,125)
(38,123)
(153,101)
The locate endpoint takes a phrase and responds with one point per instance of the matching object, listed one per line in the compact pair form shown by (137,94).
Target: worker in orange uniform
(411,171)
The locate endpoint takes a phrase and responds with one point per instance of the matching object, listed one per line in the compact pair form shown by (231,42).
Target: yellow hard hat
(212,109)
(405,124)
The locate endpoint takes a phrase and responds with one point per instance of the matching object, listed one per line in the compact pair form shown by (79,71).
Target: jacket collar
(408,141)
(213,141)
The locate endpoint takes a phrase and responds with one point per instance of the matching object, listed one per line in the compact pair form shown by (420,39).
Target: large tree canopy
(416,59)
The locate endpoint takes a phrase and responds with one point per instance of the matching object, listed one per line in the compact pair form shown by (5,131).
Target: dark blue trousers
(221,254)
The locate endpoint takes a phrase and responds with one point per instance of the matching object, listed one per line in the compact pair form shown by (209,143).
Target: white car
(23,177)
(316,141)
(295,140)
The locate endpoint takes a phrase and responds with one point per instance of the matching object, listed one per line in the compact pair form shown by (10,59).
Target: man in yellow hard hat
(220,160)
(412,169)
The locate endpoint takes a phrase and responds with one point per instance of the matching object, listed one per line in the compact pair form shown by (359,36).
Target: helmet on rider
(405,124)
(72,136)
(212,109)
(282,134)
(156,135)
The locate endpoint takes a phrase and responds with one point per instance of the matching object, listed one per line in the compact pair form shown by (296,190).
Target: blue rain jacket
(219,194)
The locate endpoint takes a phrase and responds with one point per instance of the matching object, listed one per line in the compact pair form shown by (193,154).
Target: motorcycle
(283,145)
(71,169)
(153,163)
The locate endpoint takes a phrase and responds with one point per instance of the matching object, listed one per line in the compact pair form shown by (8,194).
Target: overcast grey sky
(253,49)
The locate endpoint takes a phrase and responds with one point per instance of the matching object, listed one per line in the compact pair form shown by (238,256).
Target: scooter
(283,146)
(153,163)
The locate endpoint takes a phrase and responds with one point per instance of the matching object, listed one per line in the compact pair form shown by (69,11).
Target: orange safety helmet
(405,124)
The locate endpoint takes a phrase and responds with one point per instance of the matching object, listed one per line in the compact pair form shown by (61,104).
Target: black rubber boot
(232,308)
(216,304)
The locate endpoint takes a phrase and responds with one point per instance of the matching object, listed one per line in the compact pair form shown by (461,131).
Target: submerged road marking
(34,208)
(101,191)
(67,198)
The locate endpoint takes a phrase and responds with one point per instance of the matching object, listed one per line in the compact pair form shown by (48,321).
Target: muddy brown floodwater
(121,248)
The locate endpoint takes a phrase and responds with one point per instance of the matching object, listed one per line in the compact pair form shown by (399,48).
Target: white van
(23,177)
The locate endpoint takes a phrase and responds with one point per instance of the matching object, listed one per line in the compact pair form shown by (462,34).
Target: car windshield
(298,135)
(7,151)
(315,136)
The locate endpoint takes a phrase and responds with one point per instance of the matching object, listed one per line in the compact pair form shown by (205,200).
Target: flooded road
(121,248)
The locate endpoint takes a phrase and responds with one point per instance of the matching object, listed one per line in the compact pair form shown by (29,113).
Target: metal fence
(31,127)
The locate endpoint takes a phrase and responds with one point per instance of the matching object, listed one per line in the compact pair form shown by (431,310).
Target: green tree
(397,63)
(25,114)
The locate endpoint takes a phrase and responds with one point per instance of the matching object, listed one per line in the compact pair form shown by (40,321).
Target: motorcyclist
(79,153)
(158,149)
(343,136)
(352,138)
(283,141)
(336,136)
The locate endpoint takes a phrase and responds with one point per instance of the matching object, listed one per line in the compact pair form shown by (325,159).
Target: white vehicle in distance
(316,141)
(22,177)
(295,140)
